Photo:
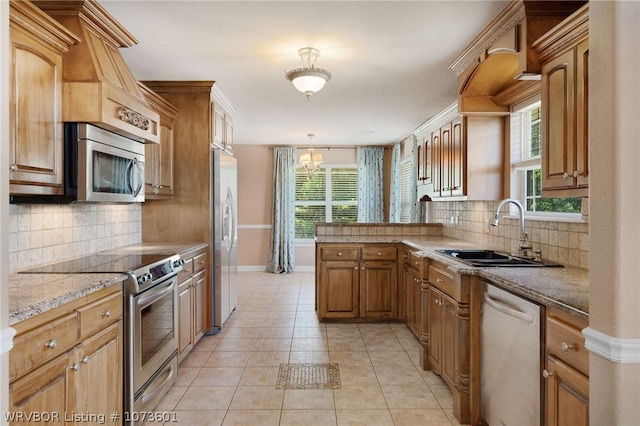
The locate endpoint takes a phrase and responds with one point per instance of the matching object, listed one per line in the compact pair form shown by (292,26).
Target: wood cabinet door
(567,399)
(151,168)
(417,303)
(402,293)
(45,390)
(35,126)
(449,312)
(436,168)
(410,312)
(378,292)
(218,127)
(435,329)
(458,158)
(558,117)
(99,374)
(445,160)
(582,115)
(165,157)
(199,305)
(339,289)
(184,317)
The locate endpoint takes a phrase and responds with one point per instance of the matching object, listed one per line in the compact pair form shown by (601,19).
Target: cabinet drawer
(379,253)
(199,262)
(441,280)
(99,314)
(35,347)
(339,253)
(187,270)
(567,343)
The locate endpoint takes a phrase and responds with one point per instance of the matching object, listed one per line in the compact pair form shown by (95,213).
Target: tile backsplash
(563,242)
(42,233)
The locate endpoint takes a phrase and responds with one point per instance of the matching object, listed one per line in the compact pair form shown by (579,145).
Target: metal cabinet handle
(566,347)
(51,344)
(14,167)
(75,367)
(405,256)
(85,360)
(106,314)
(576,174)
(546,374)
(439,280)
(566,175)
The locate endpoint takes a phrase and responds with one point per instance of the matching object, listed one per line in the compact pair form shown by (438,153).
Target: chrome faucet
(523,242)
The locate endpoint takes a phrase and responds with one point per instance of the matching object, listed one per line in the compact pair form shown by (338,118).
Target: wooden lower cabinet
(378,289)
(69,375)
(356,281)
(566,371)
(567,401)
(193,295)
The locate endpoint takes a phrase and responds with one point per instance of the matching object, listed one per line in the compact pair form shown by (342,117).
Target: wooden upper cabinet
(502,56)
(467,155)
(35,125)
(564,54)
(221,121)
(159,157)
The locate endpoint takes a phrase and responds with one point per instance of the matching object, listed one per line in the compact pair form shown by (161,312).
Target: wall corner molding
(614,349)
(6,339)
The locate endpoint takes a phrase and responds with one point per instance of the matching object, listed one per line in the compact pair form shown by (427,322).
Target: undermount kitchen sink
(492,258)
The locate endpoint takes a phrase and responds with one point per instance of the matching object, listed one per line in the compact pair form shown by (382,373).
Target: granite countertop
(33,294)
(563,288)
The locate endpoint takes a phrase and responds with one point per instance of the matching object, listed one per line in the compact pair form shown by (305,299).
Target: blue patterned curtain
(370,161)
(394,204)
(413,189)
(283,257)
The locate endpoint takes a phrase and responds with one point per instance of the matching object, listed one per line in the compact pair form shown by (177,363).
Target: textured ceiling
(389,60)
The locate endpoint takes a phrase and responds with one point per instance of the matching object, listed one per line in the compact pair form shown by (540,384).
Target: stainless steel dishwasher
(510,359)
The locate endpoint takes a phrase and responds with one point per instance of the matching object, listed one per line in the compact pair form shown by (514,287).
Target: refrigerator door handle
(231,221)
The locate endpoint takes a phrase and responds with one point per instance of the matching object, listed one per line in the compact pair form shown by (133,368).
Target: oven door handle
(153,393)
(155,296)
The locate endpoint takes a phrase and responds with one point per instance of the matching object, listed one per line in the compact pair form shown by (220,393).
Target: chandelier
(310,161)
(308,79)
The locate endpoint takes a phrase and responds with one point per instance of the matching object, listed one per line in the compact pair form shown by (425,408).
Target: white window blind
(330,195)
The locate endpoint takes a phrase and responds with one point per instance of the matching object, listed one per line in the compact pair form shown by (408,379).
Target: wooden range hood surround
(98,86)
(500,66)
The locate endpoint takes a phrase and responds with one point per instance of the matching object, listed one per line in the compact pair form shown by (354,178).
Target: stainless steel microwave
(101,166)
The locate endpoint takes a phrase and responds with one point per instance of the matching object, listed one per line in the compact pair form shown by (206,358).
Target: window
(330,195)
(526,150)
(405,191)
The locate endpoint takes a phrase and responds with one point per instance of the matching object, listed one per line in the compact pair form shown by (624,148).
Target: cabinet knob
(362,268)
(51,344)
(75,367)
(14,167)
(566,347)
(202,262)
(106,314)
(566,175)
(339,253)
(439,280)
(546,374)
(405,256)
(356,268)
(379,254)
(576,174)
(85,360)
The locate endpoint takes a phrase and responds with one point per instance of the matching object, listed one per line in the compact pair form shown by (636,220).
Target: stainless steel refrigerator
(224,261)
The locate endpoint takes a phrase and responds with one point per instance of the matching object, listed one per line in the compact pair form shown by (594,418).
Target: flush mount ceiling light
(308,79)
(310,161)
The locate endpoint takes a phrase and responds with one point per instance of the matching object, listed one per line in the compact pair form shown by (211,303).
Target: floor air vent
(308,376)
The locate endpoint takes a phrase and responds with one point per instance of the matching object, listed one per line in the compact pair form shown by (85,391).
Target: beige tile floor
(230,378)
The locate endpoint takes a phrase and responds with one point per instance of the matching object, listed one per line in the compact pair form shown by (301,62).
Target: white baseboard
(6,340)
(621,351)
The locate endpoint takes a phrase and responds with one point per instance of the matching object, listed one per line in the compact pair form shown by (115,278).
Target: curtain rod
(328,147)
(317,147)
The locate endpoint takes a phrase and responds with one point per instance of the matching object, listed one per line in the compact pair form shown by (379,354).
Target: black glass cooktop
(97,263)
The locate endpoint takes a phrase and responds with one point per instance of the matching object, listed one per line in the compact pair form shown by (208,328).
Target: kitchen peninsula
(439,297)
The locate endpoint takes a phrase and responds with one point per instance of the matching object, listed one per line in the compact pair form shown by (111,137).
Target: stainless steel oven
(151,353)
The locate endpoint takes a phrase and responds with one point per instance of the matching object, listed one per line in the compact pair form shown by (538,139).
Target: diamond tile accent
(308,376)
